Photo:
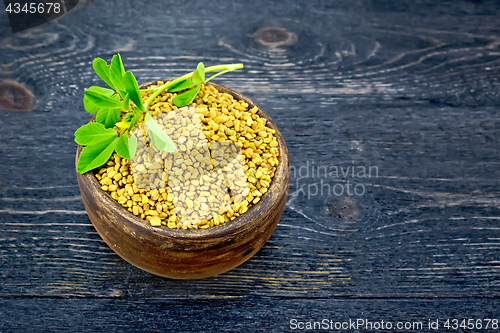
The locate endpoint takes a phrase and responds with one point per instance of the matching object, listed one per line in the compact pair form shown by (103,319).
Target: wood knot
(274,36)
(345,208)
(15,97)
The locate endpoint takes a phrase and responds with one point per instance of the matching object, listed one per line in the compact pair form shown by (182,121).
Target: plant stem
(226,68)
(213,76)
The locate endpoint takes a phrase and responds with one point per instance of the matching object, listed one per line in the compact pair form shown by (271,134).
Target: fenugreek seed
(155,221)
(256,193)
(152,213)
(245,192)
(219,119)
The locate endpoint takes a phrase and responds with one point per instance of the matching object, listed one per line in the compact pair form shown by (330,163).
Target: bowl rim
(232,227)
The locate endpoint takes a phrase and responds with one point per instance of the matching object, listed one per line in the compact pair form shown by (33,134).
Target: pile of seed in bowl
(225,160)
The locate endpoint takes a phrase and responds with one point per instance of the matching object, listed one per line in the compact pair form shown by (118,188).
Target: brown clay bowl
(188,254)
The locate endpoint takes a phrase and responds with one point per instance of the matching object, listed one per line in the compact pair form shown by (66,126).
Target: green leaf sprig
(101,139)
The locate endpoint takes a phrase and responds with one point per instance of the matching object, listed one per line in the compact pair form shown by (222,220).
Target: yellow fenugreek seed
(155,221)
(219,119)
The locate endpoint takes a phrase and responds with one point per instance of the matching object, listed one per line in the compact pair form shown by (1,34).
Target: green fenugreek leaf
(103,101)
(91,107)
(126,101)
(126,146)
(95,155)
(132,146)
(93,133)
(159,143)
(116,72)
(133,117)
(163,141)
(103,91)
(132,88)
(185,84)
(108,117)
(186,97)
(199,74)
(101,68)
(133,121)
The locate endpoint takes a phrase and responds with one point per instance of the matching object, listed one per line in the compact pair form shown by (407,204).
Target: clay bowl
(188,254)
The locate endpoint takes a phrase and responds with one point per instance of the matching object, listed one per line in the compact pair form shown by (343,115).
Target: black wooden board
(406,90)
(246,314)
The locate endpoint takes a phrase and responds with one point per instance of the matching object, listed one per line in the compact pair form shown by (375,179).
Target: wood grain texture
(411,88)
(225,315)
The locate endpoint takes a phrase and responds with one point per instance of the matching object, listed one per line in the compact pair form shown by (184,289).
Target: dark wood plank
(235,315)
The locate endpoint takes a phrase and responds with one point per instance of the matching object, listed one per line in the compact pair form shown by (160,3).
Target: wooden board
(408,91)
